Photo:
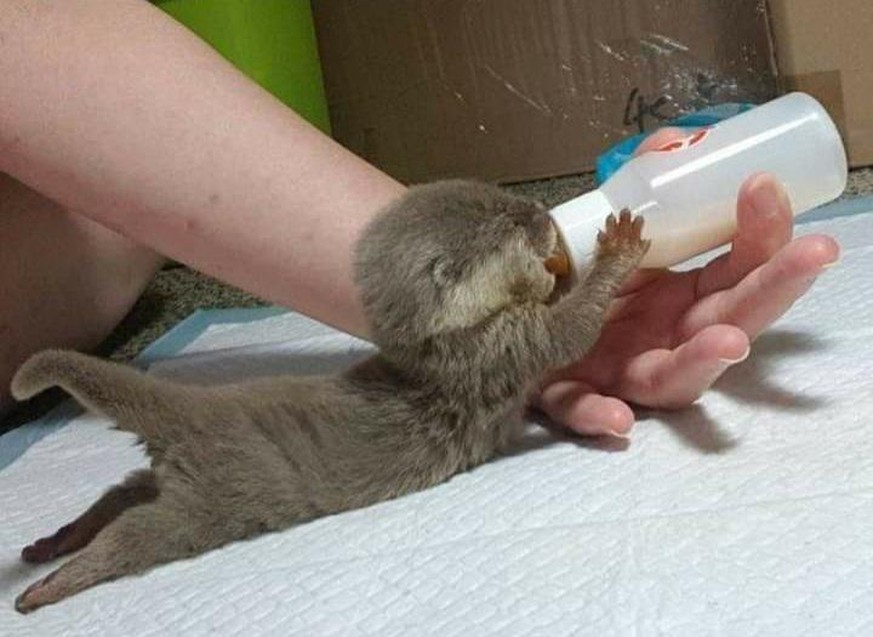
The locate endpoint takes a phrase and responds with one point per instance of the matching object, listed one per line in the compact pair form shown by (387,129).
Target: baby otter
(465,313)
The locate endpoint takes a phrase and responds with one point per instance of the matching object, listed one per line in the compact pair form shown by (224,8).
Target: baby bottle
(686,190)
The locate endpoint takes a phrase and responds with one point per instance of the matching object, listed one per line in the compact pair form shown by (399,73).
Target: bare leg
(142,537)
(66,281)
(138,488)
(116,111)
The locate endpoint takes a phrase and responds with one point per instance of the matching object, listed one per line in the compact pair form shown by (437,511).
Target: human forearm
(116,111)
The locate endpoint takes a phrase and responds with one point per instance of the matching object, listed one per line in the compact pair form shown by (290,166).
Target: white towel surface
(748,514)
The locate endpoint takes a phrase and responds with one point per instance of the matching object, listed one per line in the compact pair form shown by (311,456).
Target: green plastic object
(271,41)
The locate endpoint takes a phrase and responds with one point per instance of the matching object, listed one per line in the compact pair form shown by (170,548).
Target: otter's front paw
(623,237)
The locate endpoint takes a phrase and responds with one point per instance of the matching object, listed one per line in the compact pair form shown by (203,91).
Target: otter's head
(449,255)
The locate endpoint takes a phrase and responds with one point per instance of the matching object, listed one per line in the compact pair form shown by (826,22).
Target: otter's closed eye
(443,271)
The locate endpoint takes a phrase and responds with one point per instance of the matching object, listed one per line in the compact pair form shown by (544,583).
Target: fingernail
(828,266)
(766,198)
(619,434)
(734,361)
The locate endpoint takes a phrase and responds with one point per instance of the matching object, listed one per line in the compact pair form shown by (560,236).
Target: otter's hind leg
(141,537)
(138,488)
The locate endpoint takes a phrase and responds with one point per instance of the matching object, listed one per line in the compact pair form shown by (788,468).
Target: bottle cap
(577,222)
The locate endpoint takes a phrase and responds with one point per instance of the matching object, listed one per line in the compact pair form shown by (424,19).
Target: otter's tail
(118,391)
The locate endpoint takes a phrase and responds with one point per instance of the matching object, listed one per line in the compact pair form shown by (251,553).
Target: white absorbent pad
(750,513)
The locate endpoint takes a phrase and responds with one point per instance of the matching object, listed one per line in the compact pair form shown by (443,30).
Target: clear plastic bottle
(687,190)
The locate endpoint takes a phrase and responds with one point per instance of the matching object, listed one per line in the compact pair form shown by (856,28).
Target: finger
(676,378)
(767,292)
(659,138)
(764,226)
(577,406)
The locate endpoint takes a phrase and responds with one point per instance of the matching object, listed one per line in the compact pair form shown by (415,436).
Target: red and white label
(683,142)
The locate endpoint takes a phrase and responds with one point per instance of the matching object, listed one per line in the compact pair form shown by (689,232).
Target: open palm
(669,335)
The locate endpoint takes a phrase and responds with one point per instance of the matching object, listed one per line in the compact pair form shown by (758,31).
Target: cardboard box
(507,90)
(826,50)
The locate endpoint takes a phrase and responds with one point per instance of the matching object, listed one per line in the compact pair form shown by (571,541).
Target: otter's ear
(444,272)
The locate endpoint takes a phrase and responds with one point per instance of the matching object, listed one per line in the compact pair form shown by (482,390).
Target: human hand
(670,335)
